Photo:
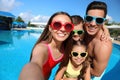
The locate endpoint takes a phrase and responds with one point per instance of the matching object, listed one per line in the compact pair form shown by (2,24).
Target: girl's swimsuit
(50,63)
(70,73)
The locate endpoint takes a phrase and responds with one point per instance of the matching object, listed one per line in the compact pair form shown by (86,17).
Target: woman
(49,49)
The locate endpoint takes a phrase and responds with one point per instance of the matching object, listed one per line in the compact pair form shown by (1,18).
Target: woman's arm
(33,70)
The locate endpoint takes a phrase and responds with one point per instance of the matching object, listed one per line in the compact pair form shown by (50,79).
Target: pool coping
(116,42)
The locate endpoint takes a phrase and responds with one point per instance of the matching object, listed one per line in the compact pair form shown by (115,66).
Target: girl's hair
(46,34)
(83,70)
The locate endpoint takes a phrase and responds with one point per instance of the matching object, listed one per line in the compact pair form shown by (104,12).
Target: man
(99,50)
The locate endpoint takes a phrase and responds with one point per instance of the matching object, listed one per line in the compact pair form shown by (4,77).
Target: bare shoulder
(103,48)
(103,44)
(40,47)
(40,53)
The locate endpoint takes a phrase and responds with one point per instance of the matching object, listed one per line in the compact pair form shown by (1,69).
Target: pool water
(15,50)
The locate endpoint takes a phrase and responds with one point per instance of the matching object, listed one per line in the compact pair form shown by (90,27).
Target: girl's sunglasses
(79,32)
(82,54)
(57,25)
(98,20)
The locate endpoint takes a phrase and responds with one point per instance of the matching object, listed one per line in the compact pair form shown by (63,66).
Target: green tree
(29,23)
(114,32)
(19,19)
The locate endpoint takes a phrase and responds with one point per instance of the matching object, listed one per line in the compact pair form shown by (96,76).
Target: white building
(38,24)
(114,27)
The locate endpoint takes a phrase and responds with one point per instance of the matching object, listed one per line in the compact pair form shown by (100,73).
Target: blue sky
(41,10)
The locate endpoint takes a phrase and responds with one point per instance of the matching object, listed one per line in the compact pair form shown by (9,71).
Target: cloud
(40,18)
(8,5)
(109,18)
(28,16)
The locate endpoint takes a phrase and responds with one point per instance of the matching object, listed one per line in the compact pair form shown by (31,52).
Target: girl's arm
(87,75)
(60,73)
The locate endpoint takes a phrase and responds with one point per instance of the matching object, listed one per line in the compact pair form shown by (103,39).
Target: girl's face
(60,34)
(79,58)
(77,36)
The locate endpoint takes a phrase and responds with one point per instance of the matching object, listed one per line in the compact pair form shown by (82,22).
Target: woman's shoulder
(41,46)
(39,53)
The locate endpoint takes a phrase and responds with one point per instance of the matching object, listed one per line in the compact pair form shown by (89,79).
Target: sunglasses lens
(83,54)
(99,20)
(75,54)
(80,32)
(88,18)
(57,25)
(68,27)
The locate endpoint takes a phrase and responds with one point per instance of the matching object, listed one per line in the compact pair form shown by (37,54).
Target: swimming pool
(15,50)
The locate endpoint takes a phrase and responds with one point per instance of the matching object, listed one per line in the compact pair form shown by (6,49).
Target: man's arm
(102,52)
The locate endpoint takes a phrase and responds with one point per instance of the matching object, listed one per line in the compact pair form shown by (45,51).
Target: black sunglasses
(98,20)
(82,54)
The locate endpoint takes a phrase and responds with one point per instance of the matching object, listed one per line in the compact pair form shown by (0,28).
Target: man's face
(94,23)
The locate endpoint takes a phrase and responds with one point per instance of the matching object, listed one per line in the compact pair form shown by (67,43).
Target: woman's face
(61,34)
(76,36)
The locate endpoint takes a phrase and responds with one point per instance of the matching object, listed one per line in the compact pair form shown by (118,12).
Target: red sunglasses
(57,25)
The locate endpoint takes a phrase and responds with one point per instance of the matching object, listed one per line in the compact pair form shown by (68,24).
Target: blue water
(15,50)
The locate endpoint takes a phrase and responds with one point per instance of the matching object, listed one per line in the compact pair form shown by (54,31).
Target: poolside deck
(117,42)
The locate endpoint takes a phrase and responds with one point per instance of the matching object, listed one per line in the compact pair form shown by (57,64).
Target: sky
(41,10)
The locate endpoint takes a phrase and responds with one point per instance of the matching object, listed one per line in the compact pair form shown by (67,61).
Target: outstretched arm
(31,71)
